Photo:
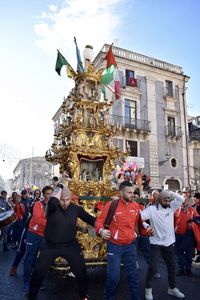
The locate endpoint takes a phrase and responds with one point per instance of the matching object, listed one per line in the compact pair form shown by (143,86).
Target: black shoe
(188,272)
(180,272)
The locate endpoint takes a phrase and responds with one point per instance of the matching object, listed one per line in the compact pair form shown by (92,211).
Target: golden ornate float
(83,147)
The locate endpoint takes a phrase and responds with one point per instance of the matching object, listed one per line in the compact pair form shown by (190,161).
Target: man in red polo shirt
(121,238)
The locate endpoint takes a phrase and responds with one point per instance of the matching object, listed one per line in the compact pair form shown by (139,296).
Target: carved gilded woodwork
(85,137)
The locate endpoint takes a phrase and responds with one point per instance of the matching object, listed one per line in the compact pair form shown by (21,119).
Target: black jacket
(61,223)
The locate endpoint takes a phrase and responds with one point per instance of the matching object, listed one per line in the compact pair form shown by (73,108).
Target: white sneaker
(176,293)
(148,294)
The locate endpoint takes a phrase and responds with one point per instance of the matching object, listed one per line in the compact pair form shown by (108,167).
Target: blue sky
(30,31)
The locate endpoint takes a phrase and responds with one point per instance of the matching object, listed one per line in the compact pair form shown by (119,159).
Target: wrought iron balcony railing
(173,131)
(131,123)
(195,135)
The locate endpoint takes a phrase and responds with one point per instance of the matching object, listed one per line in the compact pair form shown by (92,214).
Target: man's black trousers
(168,255)
(49,252)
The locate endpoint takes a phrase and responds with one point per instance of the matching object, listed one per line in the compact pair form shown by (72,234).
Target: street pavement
(59,288)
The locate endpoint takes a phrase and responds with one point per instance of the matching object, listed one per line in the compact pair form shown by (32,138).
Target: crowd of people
(164,223)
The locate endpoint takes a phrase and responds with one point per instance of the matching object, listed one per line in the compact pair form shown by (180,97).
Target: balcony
(195,135)
(130,123)
(173,131)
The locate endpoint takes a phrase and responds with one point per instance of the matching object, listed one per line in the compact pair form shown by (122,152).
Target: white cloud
(53,8)
(93,22)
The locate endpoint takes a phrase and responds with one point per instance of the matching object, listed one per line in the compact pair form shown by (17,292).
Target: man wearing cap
(60,240)
(143,243)
(161,218)
(187,194)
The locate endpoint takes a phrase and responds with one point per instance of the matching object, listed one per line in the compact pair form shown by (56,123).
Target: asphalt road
(59,288)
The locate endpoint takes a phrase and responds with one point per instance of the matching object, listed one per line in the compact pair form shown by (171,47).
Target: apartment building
(32,171)
(152,116)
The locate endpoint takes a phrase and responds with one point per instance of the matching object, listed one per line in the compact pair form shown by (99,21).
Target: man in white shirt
(161,218)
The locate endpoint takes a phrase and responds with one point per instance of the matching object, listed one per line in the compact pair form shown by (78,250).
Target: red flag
(110,58)
(112,81)
(117,85)
(132,82)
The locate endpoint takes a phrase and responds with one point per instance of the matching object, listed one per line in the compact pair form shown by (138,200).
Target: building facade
(34,171)
(151,114)
(152,117)
(194,152)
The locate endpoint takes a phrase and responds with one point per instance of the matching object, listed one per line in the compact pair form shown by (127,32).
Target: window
(169,88)
(132,148)
(130,78)
(173,162)
(39,166)
(171,126)
(130,114)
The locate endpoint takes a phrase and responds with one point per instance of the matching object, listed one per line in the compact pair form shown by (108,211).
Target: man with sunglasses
(161,218)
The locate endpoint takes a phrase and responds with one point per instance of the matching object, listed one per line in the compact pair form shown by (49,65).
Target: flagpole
(79,61)
(109,87)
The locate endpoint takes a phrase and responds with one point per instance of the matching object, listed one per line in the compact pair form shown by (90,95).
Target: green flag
(60,62)
(108,75)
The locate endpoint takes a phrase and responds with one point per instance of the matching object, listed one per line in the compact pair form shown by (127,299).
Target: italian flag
(110,76)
